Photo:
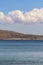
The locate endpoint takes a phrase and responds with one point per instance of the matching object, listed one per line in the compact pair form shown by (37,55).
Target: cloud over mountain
(35,15)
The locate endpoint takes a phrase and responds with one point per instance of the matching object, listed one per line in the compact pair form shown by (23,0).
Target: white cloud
(9,20)
(2,16)
(17,16)
(35,15)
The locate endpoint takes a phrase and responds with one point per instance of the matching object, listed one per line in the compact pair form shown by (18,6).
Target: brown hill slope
(10,35)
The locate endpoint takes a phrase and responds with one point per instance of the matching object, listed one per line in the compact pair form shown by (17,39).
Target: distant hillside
(10,35)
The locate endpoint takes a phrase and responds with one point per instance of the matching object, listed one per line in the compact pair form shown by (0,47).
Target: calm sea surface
(21,52)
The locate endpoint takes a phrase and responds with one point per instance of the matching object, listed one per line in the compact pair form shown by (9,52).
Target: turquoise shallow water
(21,52)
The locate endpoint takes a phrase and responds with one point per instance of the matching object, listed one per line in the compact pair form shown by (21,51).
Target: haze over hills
(11,35)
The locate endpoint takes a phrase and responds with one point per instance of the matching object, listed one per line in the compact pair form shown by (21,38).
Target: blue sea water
(21,52)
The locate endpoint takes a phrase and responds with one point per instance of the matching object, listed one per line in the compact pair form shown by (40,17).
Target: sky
(25,16)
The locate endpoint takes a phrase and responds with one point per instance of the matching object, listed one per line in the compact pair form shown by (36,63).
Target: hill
(11,35)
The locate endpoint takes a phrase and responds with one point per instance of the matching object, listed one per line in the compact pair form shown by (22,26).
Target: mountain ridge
(12,35)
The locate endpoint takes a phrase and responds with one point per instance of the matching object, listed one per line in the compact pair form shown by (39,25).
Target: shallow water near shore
(21,52)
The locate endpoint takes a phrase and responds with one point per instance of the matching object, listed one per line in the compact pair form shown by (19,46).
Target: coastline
(11,35)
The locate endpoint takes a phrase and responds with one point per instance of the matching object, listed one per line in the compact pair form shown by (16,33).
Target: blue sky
(7,6)
(24,5)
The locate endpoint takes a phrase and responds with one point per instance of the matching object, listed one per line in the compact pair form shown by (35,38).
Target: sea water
(21,52)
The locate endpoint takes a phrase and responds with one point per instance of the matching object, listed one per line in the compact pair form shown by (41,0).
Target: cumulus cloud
(2,16)
(34,16)
(5,19)
(17,16)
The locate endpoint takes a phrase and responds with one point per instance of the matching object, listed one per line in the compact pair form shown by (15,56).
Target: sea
(21,52)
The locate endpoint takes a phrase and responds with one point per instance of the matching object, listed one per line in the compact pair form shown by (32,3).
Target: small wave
(22,56)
